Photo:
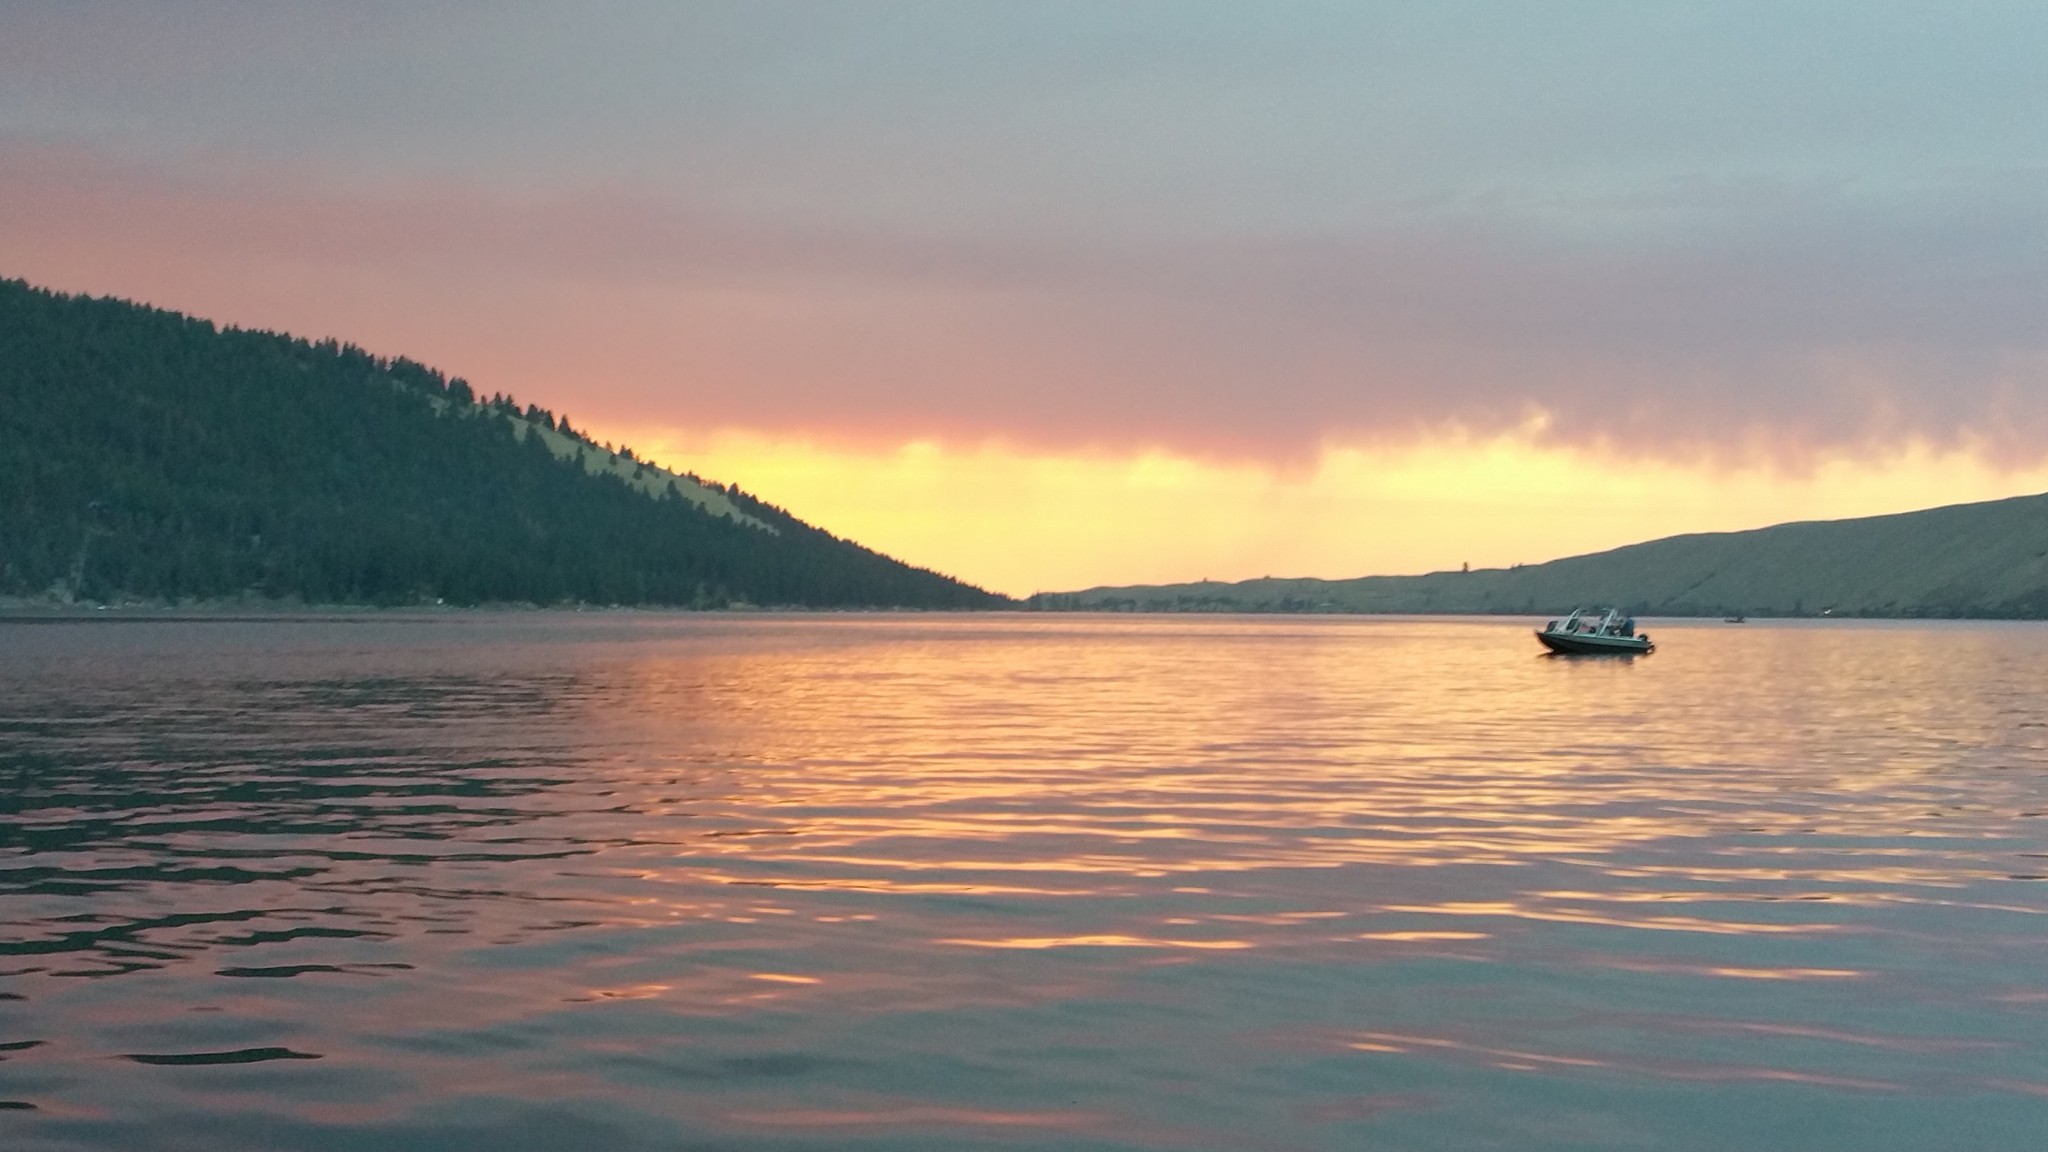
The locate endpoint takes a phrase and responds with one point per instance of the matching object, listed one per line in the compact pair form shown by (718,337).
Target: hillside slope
(151,455)
(1988,559)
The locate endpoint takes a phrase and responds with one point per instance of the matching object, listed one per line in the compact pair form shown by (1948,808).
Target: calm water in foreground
(1017,882)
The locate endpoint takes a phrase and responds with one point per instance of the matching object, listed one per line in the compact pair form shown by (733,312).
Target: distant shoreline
(19,611)
(16,609)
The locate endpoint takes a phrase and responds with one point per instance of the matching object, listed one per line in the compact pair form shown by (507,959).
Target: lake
(639,881)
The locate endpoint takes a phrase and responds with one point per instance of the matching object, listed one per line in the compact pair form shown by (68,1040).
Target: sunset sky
(1048,295)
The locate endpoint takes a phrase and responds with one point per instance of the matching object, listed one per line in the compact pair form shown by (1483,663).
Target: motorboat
(1593,632)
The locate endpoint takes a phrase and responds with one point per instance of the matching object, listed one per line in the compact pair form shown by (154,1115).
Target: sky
(1049,295)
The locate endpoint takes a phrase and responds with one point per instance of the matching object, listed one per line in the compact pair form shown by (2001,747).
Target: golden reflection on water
(953,757)
(1105,941)
(977,881)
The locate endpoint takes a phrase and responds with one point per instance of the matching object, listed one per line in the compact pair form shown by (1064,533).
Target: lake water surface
(511,882)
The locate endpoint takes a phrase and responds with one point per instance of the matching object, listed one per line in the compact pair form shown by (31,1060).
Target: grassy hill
(149,455)
(1988,559)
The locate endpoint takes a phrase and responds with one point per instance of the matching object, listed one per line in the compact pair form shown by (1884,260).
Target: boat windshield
(1609,622)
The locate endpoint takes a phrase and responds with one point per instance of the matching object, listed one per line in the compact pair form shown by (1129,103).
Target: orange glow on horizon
(1022,521)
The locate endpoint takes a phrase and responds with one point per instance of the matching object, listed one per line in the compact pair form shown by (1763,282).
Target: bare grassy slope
(638,474)
(648,479)
(1988,559)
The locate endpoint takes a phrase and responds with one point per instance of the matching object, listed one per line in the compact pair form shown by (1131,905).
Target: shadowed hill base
(152,456)
(1988,559)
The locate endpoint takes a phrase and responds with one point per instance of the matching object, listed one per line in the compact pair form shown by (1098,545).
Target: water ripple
(630,881)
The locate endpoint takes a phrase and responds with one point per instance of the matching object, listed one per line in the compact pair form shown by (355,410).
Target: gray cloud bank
(1719,235)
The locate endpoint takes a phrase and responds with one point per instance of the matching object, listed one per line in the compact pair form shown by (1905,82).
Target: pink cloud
(1771,319)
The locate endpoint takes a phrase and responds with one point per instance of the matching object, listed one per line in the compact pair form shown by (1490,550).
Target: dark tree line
(144,453)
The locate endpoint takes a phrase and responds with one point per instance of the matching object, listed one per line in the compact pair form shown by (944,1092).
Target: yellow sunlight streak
(1020,521)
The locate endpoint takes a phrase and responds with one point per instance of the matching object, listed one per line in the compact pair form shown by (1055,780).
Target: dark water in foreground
(530,882)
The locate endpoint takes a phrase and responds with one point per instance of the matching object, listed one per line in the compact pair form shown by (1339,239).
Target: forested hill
(1986,560)
(145,454)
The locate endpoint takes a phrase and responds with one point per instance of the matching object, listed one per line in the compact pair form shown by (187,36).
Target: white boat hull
(1593,644)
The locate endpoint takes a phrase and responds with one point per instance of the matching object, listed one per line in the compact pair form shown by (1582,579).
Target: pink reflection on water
(915,1116)
(1524,1060)
(868,1119)
(1372,1107)
(1519,911)
(1732,972)
(822,836)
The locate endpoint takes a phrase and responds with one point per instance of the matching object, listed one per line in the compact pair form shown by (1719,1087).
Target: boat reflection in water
(1590,632)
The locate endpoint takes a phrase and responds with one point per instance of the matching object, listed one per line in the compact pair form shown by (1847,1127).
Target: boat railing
(1609,623)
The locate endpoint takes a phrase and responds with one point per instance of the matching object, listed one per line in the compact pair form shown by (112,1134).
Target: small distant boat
(1590,632)
(1738,618)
